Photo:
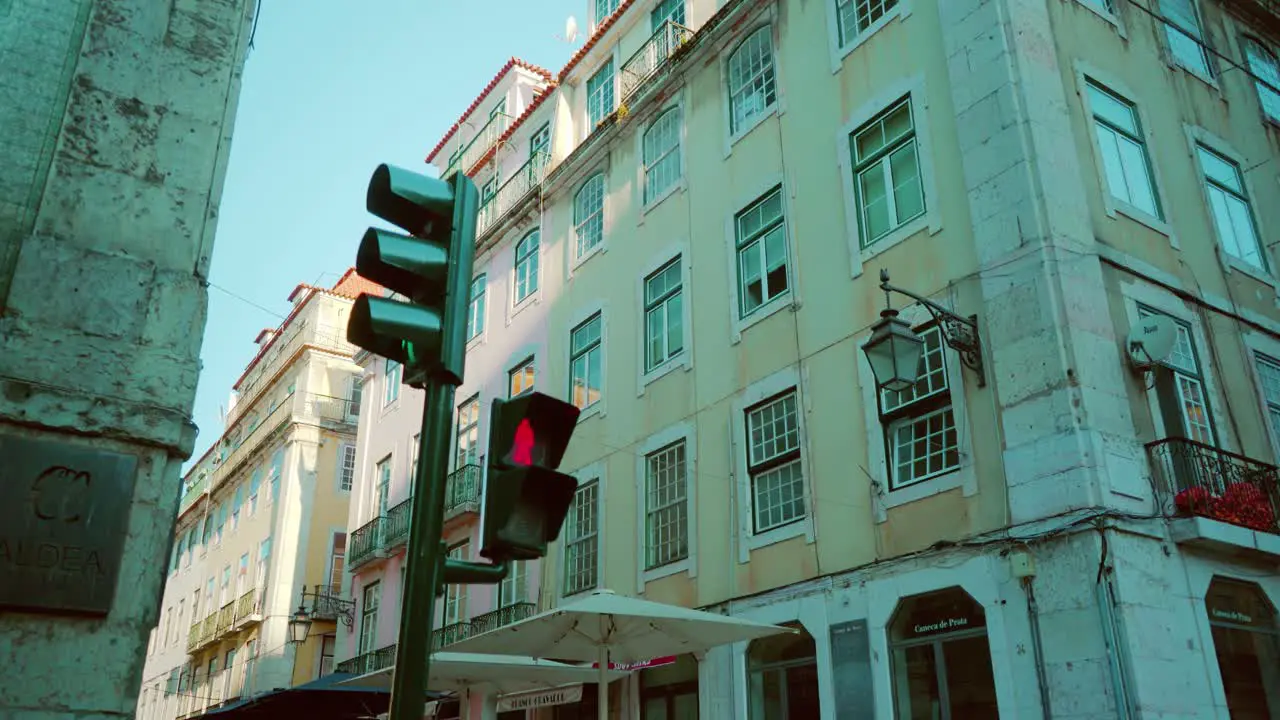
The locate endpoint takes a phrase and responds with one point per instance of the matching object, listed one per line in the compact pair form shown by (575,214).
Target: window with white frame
(773,462)
(919,423)
(520,379)
(354,397)
(514,588)
(1186,35)
(468,432)
(662,154)
(586,362)
(488,190)
(382,487)
(854,17)
(605,8)
(663,315)
(1181,395)
(666,511)
(588,215)
(582,537)
(600,94)
(346,468)
(475,310)
(526,273)
(886,172)
(1230,207)
(762,253)
(337,559)
(665,10)
(372,597)
(1269,379)
(1125,163)
(752,86)
(255,485)
(414,450)
(391,382)
(455,596)
(540,141)
(1265,67)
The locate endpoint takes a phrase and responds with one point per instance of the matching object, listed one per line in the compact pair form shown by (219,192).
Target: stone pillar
(1053,356)
(117,117)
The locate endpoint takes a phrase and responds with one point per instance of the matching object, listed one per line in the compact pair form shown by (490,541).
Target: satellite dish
(1151,341)
(570,30)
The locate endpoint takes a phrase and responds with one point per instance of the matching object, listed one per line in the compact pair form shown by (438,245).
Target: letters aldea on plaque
(64,513)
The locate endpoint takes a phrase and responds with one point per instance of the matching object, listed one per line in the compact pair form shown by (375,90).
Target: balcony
(462,491)
(480,144)
(365,543)
(327,408)
(397,525)
(516,189)
(450,634)
(1196,480)
(248,608)
(369,662)
(652,57)
(194,635)
(505,615)
(280,352)
(327,604)
(226,619)
(192,493)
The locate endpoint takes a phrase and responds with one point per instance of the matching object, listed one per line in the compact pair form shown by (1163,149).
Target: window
(527,266)
(762,253)
(347,467)
(337,557)
(600,95)
(475,311)
(662,154)
(1229,204)
(353,399)
(773,458)
(1263,64)
(224,587)
(920,426)
(521,379)
(665,10)
(663,315)
(666,509)
(369,617)
(219,524)
(1186,36)
(541,140)
(1269,378)
(941,661)
(888,191)
(1180,391)
(242,575)
(277,469)
(264,559)
(391,391)
(854,17)
(605,8)
(581,544)
(588,215)
(328,644)
(514,588)
(236,502)
(382,489)
(1242,622)
(207,533)
(468,432)
(488,190)
(752,90)
(782,677)
(255,485)
(415,449)
(455,596)
(586,363)
(1124,152)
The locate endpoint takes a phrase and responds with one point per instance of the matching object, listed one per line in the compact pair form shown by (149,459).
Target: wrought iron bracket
(958,332)
(344,609)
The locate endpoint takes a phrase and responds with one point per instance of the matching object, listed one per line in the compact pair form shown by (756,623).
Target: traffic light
(526,498)
(431,267)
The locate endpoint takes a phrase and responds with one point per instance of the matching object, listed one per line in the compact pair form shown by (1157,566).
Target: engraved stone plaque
(64,513)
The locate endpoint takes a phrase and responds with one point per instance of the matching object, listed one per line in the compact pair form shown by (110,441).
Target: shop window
(1247,642)
(941,658)
(782,676)
(670,692)
(585,708)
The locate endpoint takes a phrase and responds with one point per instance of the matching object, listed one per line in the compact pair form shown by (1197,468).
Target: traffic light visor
(531,430)
(383,326)
(419,204)
(412,267)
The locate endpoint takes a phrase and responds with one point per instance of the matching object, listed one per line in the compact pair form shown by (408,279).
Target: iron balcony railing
(384,657)
(515,612)
(462,490)
(364,542)
(372,661)
(481,142)
(226,618)
(1192,478)
(397,524)
(194,635)
(249,606)
(209,631)
(651,56)
(517,187)
(327,603)
(333,409)
(450,634)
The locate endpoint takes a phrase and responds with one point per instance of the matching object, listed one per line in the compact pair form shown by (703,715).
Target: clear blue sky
(331,89)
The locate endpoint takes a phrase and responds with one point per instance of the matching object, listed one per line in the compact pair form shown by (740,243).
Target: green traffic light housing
(526,497)
(432,268)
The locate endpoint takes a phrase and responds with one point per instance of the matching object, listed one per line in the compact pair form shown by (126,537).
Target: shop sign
(543,698)
(641,665)
(1234,617)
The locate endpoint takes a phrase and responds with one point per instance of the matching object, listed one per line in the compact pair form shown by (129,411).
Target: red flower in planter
(1195,501)
(1242,504)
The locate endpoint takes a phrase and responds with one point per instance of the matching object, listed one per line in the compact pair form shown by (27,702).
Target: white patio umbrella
(605,626)
(454,671)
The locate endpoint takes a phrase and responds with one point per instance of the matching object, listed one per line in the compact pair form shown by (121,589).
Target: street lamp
(894,350)
(299,625)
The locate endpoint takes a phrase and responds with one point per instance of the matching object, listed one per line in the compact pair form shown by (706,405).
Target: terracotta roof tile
(350,285)
(601,29)
(513,62)
(538,99)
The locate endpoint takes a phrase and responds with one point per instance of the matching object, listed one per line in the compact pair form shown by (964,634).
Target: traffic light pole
(424,571)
